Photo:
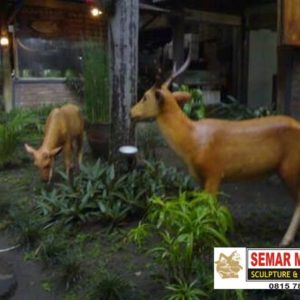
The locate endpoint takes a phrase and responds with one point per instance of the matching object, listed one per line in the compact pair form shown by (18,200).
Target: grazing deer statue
(220,150)
(63,130)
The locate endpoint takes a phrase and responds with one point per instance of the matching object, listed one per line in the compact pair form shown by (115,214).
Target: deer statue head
(43,160)
(156,99)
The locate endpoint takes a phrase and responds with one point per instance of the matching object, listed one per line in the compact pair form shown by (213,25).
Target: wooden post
(244,64)
(178,40)
(178,36)
(7,80)
(237,62)
(123,36)
(284,79)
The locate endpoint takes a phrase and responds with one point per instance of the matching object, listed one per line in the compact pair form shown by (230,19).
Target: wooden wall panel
(28,93)
(56,23)
(291,22)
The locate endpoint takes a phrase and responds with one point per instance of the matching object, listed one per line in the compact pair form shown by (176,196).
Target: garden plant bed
(102,247)
(92,240)
(261,211)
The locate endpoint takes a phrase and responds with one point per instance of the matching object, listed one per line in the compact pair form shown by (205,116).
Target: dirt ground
(261,209)
(30,276)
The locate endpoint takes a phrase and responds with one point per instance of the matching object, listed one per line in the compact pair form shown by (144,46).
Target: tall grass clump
(95,74)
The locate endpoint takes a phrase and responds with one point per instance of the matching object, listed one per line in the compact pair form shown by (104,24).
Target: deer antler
(179,71)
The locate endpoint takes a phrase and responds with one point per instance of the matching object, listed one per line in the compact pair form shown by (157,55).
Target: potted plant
(97,107)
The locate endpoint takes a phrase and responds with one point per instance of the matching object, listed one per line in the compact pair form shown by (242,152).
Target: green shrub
(28,228)
(230,109)
(99,193)
(8,143)
(18,126)
(188,226)
(234,110)
(53,247)
(149,140)
(96,193)
(165,181)
(182,290)
(70,268)
(110,286)
(194,108)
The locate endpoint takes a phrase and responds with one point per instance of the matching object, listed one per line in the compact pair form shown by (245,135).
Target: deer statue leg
(293,227)
(289,175)
(79,150)
(211,185)
(68,157)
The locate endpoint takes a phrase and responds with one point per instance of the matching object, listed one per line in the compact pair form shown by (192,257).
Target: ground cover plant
(79,233)
(51,226)
(194,108)
(230,108)
(18,126)
(188,226)
(100,192)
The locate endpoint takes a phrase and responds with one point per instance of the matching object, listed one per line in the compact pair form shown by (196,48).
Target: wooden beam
(57,4)
(15,12)
(211,17)
(153,8)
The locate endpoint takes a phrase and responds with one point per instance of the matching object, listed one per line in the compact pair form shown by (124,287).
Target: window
(44,58)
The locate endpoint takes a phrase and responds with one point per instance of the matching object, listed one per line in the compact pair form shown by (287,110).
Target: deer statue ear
(29,149)
(159,96)
(54,151)
(182,97)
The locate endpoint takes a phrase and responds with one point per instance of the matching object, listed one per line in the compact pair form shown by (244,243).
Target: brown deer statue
(220,150)
(63,131)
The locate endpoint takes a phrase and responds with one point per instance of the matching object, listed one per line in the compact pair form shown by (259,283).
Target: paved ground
(27,276)
(261,209)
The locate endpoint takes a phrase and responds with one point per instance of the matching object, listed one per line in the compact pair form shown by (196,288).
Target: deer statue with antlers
(219,150)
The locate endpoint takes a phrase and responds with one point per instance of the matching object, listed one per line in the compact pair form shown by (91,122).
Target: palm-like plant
(182,290)
(188,226)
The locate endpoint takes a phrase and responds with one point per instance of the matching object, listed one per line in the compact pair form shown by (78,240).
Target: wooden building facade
(289,57)
(248,49)
(46,40)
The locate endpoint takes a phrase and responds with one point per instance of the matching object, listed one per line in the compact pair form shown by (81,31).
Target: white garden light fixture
(129,152)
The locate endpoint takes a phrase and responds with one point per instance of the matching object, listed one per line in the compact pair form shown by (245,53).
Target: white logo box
(256,268)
